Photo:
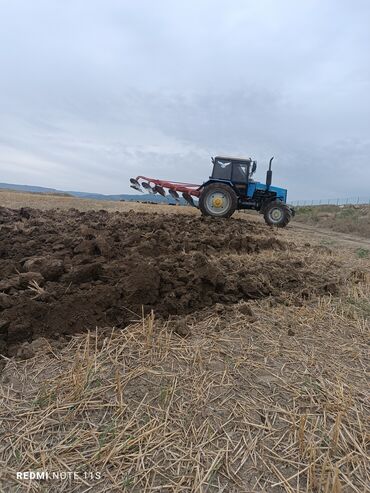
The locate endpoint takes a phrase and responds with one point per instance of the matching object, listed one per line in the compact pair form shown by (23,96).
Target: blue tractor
(231,187)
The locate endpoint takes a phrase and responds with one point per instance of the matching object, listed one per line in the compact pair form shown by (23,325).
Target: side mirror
(254,167)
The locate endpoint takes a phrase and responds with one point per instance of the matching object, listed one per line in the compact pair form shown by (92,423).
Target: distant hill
(28,188)
(141,197)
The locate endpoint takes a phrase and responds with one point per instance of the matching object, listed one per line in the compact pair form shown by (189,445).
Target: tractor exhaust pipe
(269,175)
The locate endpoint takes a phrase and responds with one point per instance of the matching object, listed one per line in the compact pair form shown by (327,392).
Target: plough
(154,186)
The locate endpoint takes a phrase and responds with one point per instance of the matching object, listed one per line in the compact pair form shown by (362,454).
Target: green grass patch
(363,253)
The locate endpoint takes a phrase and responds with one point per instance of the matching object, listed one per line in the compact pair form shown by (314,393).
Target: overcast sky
(93,92)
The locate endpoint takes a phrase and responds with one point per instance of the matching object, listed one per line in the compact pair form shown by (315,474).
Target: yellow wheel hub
(217,202)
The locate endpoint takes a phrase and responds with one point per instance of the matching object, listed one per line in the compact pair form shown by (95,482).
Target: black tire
(277,213)
(216,191)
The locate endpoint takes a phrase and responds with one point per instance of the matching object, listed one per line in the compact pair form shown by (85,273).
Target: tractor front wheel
(277,213)
(218,200)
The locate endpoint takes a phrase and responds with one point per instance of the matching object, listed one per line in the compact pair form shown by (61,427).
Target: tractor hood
(281,193)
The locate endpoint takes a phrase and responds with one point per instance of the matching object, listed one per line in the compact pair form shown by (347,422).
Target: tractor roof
(238,159)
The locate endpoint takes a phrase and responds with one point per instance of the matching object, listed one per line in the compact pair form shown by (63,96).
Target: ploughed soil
(68,271)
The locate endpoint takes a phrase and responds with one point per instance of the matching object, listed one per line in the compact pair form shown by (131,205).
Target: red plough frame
(190,188)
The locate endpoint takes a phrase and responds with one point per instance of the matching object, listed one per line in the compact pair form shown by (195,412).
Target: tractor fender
(223,182)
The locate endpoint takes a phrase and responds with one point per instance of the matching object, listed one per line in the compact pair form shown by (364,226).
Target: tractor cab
(235,170)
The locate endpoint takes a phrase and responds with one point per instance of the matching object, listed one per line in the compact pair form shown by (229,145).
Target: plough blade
(147,187)
(174,194)
(159,190)
(135,185)
(189,199)
(136,188)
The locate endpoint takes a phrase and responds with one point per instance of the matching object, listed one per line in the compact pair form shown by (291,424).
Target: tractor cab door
(240,177)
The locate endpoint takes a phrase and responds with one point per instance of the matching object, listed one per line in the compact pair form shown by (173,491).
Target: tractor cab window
(240,173)
(221,170)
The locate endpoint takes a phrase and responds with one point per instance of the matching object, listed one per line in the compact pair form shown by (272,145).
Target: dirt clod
(50,268)
(181,328)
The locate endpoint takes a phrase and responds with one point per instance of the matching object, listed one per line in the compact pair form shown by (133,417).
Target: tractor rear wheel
(277,213)
(218,200)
